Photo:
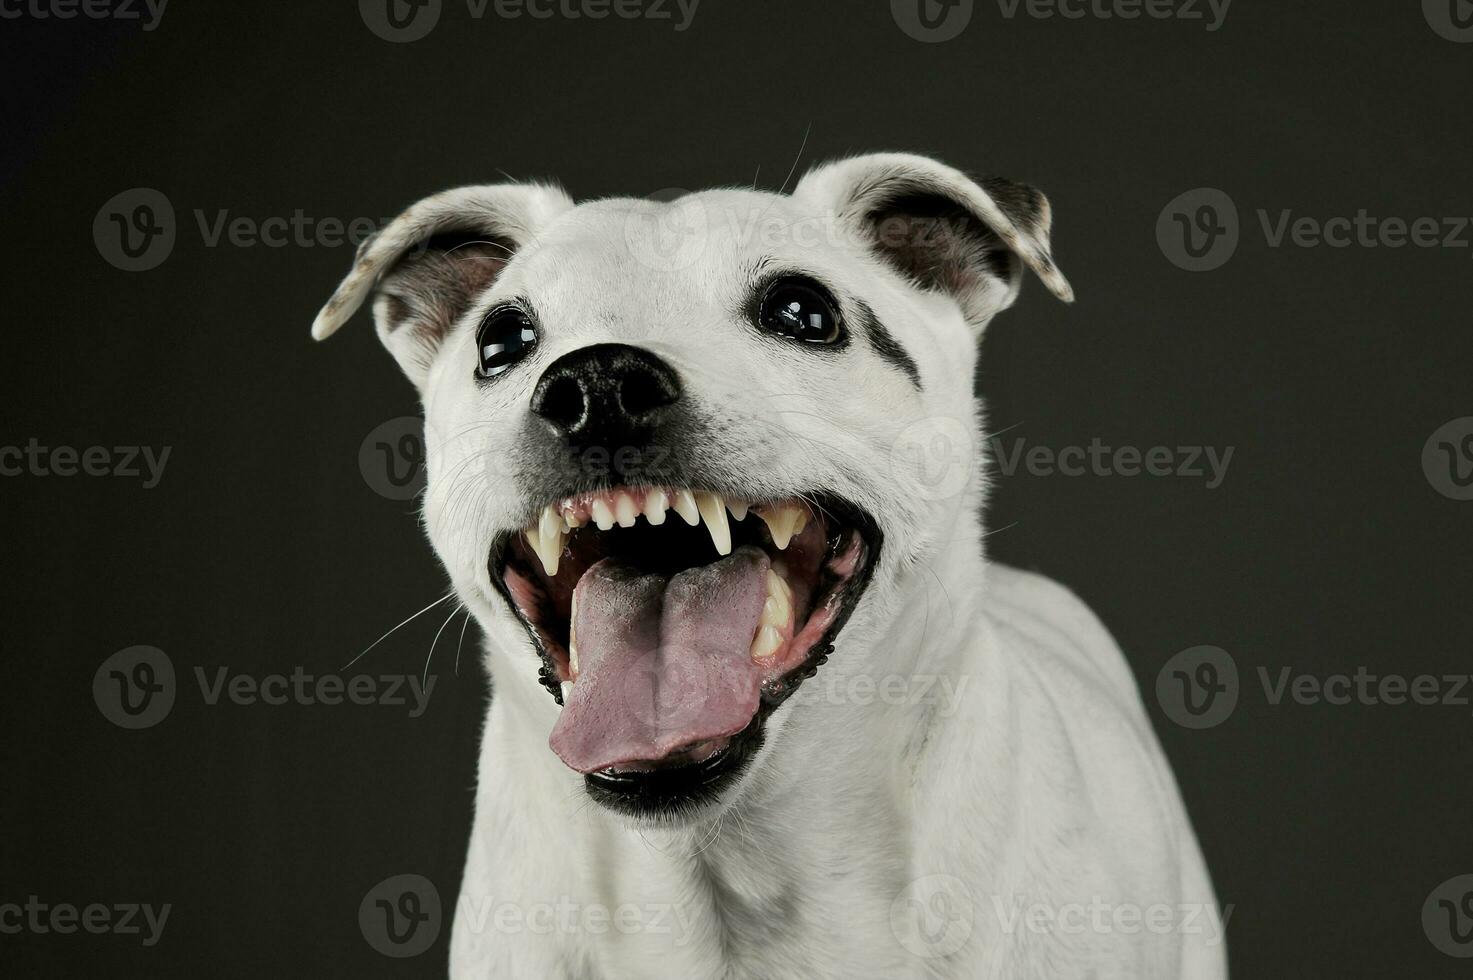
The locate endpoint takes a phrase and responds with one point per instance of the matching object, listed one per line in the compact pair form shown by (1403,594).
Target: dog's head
(664,440)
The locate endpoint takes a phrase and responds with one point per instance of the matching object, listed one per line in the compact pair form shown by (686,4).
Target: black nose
(609,395)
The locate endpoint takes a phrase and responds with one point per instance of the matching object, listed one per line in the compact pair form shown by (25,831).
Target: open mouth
(671,623)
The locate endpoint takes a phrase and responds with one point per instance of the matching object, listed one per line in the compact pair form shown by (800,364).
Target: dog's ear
(430,263)
(941,229)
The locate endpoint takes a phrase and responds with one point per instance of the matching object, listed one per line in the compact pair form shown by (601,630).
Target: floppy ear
(940,229)
(432,261)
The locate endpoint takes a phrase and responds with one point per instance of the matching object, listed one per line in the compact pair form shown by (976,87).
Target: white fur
(1040,783)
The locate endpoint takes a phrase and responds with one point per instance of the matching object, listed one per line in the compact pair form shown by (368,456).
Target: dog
(708,473)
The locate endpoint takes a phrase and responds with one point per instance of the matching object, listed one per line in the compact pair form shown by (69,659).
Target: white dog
(708,473)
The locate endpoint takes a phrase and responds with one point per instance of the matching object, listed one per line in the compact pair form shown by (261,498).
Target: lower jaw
(670,793)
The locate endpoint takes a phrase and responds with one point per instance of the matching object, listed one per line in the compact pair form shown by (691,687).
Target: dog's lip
(671,791)
(849,518)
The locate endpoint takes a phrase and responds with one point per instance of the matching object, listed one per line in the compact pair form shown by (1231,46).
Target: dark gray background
(263,548)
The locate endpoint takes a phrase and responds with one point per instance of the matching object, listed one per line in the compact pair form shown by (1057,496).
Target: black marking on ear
(885,344)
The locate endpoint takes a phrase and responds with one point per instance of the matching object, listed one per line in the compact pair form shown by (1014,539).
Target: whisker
(463,627)
(426,676)
(397,628)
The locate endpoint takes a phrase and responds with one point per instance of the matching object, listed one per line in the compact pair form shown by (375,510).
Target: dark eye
(506,336)
(802,310)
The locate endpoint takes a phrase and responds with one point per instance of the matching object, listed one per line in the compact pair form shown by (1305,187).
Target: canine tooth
(567,689)
(548,549)
(624,510)
(775,611)
(551,526)
(685,506)
(738,509)
(602,516)
(713,509)
(655,506)
(766,644)
(570,522)
(777,585)
(782,522)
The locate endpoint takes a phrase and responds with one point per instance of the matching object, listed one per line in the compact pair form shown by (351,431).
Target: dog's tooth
(548,549)
(782,522)
(567,689)
(624,510)
(655,506)
(713,509)
(738,509)
(775,610)
(549,544)
(778,586)
(570,522)
(766,643)
(551,526)
(602,516)
(685,506)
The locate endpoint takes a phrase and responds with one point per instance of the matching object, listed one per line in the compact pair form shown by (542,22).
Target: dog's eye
(506,336)
(802,310)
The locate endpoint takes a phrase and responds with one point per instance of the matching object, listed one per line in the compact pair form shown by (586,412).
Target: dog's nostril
(562,402)
(642,392)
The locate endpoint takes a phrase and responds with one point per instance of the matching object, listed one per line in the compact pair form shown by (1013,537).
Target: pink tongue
(662,663)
